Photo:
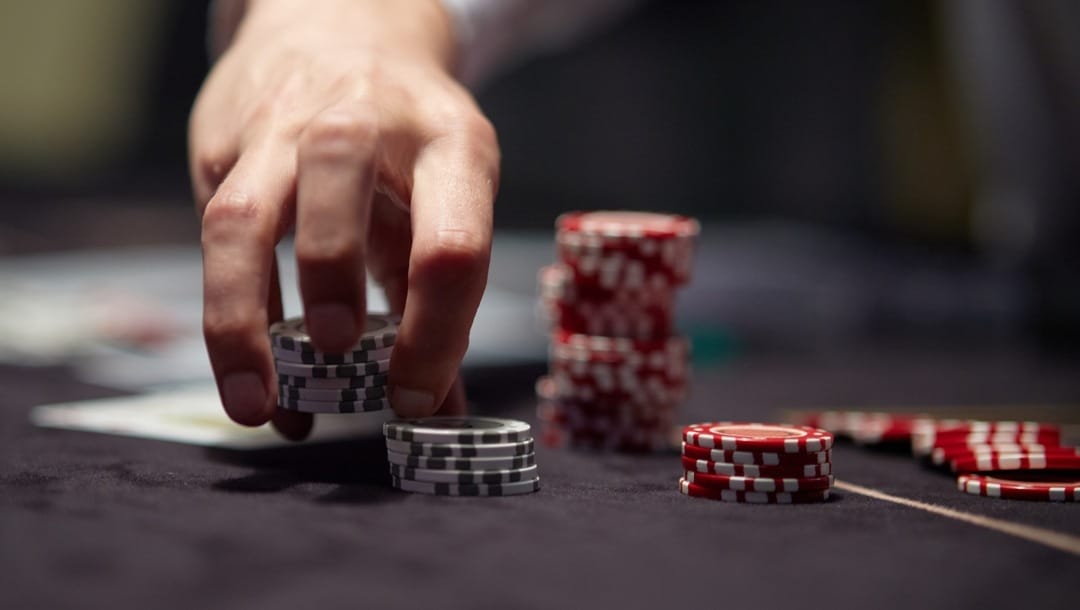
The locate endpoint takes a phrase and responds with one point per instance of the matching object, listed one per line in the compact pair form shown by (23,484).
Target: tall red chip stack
(618,369)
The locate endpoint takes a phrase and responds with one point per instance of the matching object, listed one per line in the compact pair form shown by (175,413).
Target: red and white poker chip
(748,436)
(1018,487)
(761,458)
(755,470)
(752,497)
(768,484)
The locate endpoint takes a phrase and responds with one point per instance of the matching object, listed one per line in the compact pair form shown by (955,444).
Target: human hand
(341,118)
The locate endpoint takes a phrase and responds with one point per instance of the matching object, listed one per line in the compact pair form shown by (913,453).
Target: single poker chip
(626,224)
(380,331)
(745,436)
(470,489)
(333,383)
(769,484)
(1018,487)
(462,430)
(464,477)
(943,455)
(761,458)
(752,497)
(456,464)
(342,395)
(458,450)
(753,470)
(990,462)
(329,406)
(285,355)
(929,433)
(338,371)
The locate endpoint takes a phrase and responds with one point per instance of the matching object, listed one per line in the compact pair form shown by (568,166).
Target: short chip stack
(351,382)
(462,456)
(618,371)
(756,463)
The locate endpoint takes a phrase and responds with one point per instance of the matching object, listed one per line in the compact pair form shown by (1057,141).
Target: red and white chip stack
(618,369)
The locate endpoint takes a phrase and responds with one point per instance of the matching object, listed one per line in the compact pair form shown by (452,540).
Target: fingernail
(331,325)
(408,402)
(245,398)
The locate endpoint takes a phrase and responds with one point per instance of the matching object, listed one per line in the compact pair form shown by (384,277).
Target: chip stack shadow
(618,370)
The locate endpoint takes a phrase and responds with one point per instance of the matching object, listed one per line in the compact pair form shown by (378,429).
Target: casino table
(93,521)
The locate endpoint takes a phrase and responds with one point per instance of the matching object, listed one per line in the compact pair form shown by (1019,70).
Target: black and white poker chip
(342,395)
(326,406)
(464,477)
(456,463)
(333,383)
(458,450)
(460,430)
(325,371)
(380,331)
(453,489)
(284,355)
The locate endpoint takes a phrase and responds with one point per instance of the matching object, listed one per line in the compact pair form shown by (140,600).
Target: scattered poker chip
(464,477)
(761,458)
(874,428)
(1019,487)
(752,497)
(285,355)
(456,464)
(459,450)
(943,455)
(328,406)
(342,395)
(321,371)
(626,224)
(453,489)
(990,462)
(929,433)
(769,484)
(744,436)
(461,430)
(753,470)
(380,331)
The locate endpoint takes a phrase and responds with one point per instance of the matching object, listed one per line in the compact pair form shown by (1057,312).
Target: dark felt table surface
(91,520)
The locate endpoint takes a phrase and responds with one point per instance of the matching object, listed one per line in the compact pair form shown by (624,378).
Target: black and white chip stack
(351,382)
(462,456)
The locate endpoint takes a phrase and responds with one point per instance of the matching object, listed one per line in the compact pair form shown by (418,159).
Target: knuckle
(228,207)
(340,133)
(455,256)
(330,249)
(224,328)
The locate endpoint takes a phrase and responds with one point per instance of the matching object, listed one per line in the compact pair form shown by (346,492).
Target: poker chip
(761,458)
(745,436)
(460,450)
(752,497)
(929,433)
(380,331)
(943,455)
(1068,459)
(769,484)
(753,470)
(284,355)
(339,371)
(618,370)
(328,406)
(455,463)
(333,383)
(1020,487)
(341,395)
(461,430)
(453,489)
(464,477)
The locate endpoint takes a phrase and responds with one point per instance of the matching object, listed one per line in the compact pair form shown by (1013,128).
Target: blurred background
(902,171)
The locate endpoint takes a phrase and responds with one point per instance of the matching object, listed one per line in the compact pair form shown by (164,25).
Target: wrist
(421,28)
